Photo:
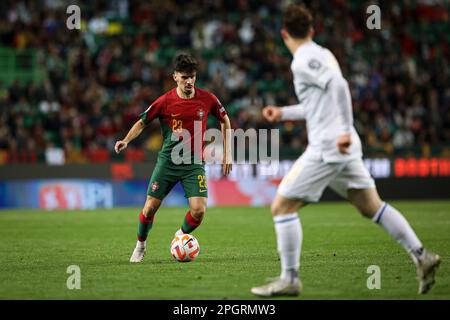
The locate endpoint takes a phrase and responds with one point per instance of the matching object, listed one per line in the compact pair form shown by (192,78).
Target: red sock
(189,223)
(145,224)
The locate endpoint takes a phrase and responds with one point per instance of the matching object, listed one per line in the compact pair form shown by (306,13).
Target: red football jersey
(176,114)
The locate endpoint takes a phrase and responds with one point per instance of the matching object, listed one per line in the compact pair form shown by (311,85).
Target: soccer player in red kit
(183,112)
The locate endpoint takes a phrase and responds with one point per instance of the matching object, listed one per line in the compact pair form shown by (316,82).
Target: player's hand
(343,143)
(120,145)
(226,168)
(227,165)
(272,113)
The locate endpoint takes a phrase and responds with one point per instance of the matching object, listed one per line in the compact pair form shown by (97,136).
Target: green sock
(189,223)
(145,224)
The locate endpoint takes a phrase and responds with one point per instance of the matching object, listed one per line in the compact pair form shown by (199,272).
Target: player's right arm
(277,114)
(152,112)
(134,132)
(312,73)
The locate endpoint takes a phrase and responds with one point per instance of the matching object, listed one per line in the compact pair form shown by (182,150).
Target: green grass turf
(237,252)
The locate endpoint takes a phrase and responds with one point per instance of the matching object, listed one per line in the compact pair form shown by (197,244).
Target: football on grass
(184,247)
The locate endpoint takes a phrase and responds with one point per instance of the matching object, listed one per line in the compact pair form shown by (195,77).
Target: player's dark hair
(297,20)
(185,63)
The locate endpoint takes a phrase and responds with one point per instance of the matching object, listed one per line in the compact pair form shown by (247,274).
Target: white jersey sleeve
(314,72)
(325,102)
(340,92)
(294,112)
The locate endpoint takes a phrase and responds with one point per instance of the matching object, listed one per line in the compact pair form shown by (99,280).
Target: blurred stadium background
(67,95)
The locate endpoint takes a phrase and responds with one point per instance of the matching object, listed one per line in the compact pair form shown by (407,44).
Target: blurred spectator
(73,154)
(54,155)
(403,137)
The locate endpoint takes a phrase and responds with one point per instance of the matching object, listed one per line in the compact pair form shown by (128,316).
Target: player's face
(185,81)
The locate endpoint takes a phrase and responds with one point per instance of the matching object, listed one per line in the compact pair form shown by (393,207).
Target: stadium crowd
(97,80)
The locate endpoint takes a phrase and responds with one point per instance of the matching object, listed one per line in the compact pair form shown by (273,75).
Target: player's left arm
(325,77)
(225,126)
(339,88)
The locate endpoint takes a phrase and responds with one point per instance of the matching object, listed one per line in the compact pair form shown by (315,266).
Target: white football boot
(179,232)
(139,252)
(278,287)
(426,270)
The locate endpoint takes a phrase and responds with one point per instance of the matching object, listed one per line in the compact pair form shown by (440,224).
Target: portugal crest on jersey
(155,186)
(200,114)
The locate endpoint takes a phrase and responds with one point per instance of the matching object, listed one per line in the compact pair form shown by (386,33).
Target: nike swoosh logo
(175,115)
(202,190)
(188,241)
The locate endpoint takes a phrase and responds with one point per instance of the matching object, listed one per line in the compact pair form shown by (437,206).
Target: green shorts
(166,175)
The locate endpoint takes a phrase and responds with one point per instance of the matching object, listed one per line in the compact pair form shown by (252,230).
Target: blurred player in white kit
(333,158)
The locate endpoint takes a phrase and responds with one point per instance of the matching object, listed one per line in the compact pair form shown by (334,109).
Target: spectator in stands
(95,82)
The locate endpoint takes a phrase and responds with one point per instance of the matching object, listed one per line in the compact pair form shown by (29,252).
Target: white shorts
(309,176)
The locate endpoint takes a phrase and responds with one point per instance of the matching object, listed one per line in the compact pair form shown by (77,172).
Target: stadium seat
(100,155)
(134,155)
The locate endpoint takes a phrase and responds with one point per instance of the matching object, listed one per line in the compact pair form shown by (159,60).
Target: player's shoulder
(170,94)
(309,56)
(166,97)
(311,49)
(316,64)
(205,94)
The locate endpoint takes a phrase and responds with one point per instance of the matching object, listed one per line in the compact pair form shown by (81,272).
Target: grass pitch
(238,251)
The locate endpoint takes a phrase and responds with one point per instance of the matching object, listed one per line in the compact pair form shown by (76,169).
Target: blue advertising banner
(80,194)
(133,194)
